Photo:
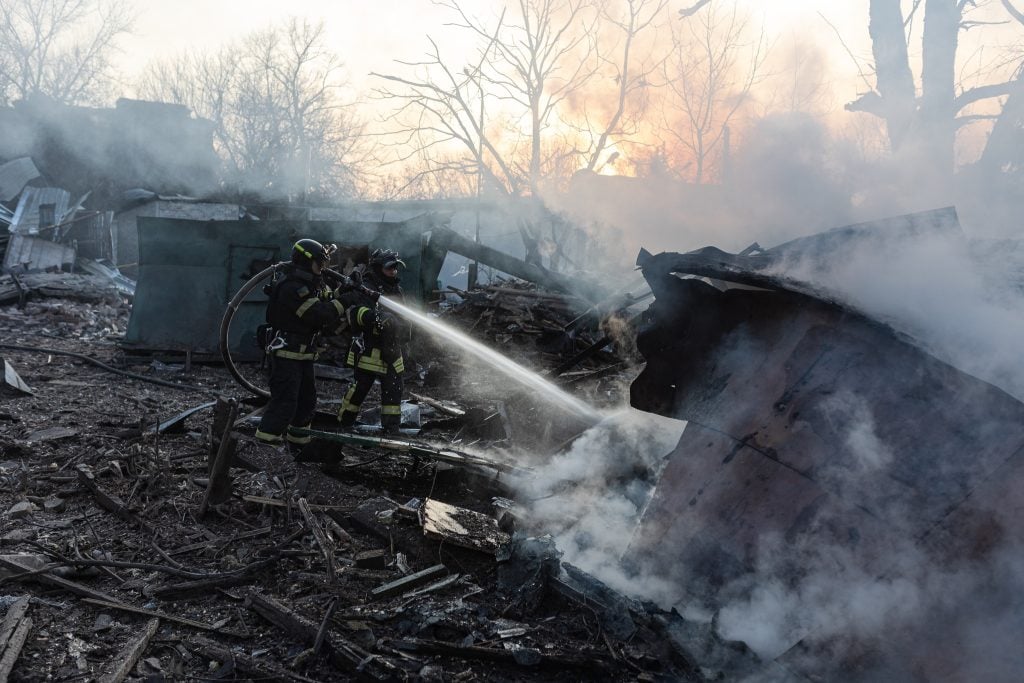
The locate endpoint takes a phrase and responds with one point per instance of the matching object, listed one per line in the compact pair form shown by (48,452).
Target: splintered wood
(461,527)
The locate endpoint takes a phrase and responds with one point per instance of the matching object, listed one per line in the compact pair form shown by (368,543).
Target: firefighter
(376,351)
(300,308)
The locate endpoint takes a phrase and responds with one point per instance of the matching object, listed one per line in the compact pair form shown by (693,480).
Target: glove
(356,276)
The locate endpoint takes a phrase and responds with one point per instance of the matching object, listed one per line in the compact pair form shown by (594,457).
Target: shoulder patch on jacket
(303,291)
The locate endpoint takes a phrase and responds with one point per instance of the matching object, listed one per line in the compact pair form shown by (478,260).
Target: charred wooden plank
(165,616)
(325,544)
(218,488)
(522,657)
(13,633)
(342,653)
(129,656)
(244,663)
(461,527)
(408,583)
(13,647)
(110,502)
(56,581)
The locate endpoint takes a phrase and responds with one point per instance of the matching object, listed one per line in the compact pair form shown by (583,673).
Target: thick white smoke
(591,497)
(967,312)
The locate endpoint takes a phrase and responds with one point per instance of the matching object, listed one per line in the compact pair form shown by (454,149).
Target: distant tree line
(552,87)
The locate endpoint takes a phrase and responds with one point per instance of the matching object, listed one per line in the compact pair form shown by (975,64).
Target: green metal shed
(189,271)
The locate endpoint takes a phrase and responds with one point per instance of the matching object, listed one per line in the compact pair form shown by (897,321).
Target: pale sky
(370,35)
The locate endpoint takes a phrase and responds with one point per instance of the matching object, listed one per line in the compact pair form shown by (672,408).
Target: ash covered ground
(101,531)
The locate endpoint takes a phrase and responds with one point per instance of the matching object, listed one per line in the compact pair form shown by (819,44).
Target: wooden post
(221,463)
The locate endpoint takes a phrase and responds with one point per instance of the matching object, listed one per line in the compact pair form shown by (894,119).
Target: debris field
(370,558)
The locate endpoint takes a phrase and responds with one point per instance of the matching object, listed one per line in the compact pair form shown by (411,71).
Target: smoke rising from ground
(591,497)
(958,297)
(965,310)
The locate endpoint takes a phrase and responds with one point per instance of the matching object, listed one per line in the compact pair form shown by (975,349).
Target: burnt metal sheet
(14,175)
(10,379)
(815,254)
(810,428)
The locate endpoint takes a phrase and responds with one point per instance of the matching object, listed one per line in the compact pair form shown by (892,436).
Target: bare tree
(633,76)
(1003,149)
(716,61)
(525,67)
(276,103)
(799,78)
(59,48)
(930,121)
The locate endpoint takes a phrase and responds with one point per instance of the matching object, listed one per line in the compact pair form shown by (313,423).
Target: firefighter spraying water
(380,324)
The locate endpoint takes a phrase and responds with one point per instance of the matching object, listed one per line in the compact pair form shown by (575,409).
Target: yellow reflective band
(372,362)
(306,305)
(350,360)
(399,365)
(293,355)
(391,410)
(298,439)
(368,364)
(267,437)
(338,307)
(347,404)
(302,250)
(359,314)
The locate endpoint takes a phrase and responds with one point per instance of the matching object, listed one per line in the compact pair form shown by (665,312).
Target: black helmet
(385,258)
(305,252)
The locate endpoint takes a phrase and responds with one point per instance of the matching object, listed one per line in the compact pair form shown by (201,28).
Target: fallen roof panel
(822,449)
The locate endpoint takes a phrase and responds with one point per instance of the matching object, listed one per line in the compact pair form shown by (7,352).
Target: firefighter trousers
(292,400)
(390,398)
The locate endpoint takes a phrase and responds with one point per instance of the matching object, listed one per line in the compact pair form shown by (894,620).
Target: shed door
(244,261)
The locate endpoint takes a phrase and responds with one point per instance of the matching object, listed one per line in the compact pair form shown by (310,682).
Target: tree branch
(693,9)
(1013,11)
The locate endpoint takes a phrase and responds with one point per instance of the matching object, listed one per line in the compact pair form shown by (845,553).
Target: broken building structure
(830,462)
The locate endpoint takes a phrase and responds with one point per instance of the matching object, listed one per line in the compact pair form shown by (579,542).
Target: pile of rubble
(389,559)
(560,335)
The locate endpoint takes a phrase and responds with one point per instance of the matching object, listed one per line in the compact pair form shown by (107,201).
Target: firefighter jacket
(300,307)
(377,344)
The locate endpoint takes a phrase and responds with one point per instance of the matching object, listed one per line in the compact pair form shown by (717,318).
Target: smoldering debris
(837,487)
(276,579)
(779,510)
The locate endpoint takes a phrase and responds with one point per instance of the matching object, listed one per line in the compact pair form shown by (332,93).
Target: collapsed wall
(844,502)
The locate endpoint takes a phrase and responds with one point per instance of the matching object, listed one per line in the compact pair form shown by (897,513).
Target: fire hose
(225,324)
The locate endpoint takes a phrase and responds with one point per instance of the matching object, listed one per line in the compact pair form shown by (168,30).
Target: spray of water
(511,369)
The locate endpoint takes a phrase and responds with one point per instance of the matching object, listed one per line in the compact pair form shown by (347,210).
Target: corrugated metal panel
(36,254)
(26,216)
